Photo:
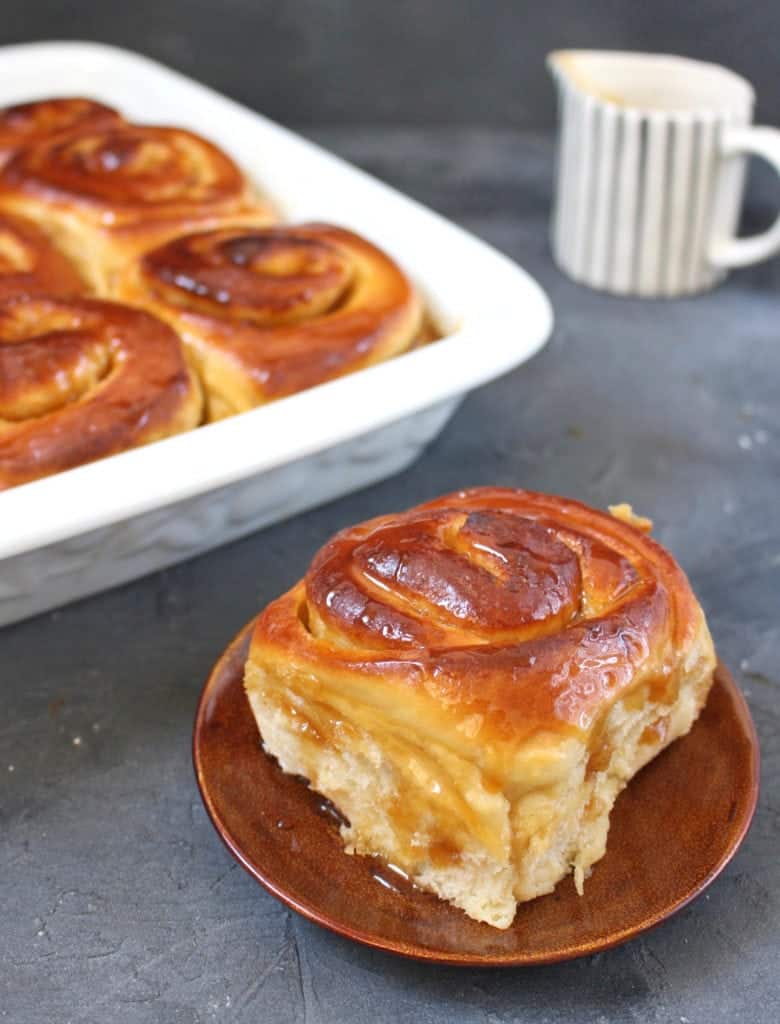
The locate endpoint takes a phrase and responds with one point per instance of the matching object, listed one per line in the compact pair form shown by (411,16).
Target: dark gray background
(413,61)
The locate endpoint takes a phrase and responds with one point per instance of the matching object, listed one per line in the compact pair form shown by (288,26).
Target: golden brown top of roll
(31,265)
(122,174)
(27,123)
(81,379)
(511,611)
(279,308)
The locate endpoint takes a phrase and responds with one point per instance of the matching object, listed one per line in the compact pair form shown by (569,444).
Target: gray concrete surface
(118,901)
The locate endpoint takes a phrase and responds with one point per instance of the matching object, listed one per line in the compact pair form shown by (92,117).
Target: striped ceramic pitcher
(651,172)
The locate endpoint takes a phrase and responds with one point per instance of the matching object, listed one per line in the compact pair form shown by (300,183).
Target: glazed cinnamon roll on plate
(268,312)
(473,682)
(81,379)
(108,192)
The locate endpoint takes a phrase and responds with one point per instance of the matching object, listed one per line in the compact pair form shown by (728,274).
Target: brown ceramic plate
(673,830)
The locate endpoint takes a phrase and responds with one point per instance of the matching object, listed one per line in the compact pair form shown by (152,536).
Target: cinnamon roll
(474,681)
(81,379)
(271,311)
(31,265)
(26,123)
(106,194)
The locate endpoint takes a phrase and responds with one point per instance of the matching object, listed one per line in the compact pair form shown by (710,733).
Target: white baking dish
(102,524)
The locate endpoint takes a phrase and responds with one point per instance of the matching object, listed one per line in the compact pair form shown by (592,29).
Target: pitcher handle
(739,252)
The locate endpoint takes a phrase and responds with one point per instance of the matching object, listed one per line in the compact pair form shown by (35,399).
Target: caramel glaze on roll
(473,682)
(271,311)
(27,123)
(31,265)
(81,379)
(107,194)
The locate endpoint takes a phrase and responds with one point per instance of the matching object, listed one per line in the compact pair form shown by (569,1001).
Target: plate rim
(453,958)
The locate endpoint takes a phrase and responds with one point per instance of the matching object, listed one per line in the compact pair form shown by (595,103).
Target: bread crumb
(626,514)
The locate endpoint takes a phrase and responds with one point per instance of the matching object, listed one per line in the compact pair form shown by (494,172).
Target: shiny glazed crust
(107,193)
(268,312)
(81,379)
(26,123)
(30,264)
(474,681)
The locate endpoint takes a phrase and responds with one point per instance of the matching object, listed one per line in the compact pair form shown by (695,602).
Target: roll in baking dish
(162,219)
(81,379)
(108,192)
(474,681)
(270,311)
(26,123)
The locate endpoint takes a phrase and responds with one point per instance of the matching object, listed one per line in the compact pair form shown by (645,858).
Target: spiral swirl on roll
(110,193)
(126,172)
(270,311)
(27,123)
(81,379)
(525,610)
(30,264)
